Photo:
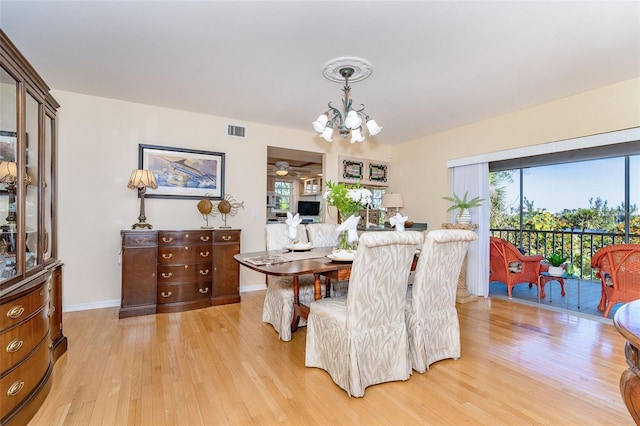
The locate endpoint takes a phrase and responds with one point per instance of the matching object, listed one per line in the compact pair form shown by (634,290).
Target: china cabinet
(178,270)
(31,337)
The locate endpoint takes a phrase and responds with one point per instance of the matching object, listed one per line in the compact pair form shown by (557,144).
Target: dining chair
(361,339)
(325,235)
(277,308)
(431,315)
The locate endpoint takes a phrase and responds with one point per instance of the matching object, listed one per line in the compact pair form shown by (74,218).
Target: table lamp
(392,201)
(9,175)
(141,179)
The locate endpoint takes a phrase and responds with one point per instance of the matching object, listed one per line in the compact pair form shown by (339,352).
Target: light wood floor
(222,365)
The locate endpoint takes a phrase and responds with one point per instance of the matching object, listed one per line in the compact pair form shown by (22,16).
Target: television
(308,208)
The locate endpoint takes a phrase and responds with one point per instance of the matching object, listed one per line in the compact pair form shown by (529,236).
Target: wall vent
(236,131)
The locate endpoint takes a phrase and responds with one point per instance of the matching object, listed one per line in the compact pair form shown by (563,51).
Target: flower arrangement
(347,199)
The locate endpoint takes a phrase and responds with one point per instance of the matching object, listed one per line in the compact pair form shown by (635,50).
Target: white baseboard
(116,303)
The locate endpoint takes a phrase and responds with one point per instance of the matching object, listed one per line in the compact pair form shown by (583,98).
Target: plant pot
(556,271)
(464,217)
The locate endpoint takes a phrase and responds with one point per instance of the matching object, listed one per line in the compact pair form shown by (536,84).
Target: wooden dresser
(178,270)
(31,337)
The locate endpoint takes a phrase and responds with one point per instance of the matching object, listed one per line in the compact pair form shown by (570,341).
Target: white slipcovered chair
(323,234)
(361,339)
(277,308)
(432,318)
(326,235)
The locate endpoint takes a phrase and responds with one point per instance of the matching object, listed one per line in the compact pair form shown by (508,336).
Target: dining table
(294,264)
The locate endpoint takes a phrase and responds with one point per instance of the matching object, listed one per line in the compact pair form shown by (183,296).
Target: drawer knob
(204,290)
(226,237)
(165,275)
(167,256)
(204,238)
(205,272)
(139,240)
(205,254)
(15,312)
(167,239)
(163,294)
(14,345)
(15,388)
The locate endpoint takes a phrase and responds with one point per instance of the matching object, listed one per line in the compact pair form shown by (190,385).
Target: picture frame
(351,169)
(183,173)
(8,144)
(378,172)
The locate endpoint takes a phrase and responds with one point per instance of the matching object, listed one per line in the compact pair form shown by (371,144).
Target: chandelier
(349,120)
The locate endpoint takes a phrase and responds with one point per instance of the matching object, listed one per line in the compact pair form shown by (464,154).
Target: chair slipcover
(277,308)
(325,235)
(361,339)
(619,270)
(431,315)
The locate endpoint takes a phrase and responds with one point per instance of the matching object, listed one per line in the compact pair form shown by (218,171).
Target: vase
(555,271)
(343,238)
(464,217)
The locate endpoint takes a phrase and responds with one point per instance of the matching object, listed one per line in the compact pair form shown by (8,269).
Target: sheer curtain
(474,179)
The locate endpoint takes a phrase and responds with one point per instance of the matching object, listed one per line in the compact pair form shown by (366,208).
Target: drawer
(184,273)
(17,342)
(184,292)
(13,312)
(139,239)
(183,237)
(231,236)
(15,386)
(171,255)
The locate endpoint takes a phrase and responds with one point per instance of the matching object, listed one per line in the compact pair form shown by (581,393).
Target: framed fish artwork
(183,173)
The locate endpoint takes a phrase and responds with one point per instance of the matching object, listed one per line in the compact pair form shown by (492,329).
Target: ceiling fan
(282,168)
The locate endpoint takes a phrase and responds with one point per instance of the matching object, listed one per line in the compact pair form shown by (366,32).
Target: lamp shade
(392,201)
(8,171)
(141,178)
(282,172)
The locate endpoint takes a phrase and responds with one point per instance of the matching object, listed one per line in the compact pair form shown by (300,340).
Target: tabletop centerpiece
(348,200)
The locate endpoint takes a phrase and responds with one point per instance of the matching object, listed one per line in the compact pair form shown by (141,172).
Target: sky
(571,185)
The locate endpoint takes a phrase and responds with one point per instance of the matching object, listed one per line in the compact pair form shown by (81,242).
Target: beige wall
(424,177)
(98,147)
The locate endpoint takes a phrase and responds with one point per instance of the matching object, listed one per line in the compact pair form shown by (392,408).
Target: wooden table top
(627,322)
(295,267)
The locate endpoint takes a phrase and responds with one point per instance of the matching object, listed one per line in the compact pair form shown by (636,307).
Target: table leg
(296,303)
(317,287)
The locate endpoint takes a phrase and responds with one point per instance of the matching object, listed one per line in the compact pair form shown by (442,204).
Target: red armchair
(619,271)
(511,267)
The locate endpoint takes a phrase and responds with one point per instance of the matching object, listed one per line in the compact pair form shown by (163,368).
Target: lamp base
(141,225)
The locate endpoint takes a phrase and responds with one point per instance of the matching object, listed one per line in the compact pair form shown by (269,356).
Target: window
(284,195)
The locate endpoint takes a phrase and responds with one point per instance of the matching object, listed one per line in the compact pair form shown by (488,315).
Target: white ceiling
(436,64)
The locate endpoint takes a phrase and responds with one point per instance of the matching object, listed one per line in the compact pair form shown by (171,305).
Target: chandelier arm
(336,114)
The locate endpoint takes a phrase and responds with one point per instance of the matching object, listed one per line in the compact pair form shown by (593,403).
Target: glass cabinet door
(8,173)
(30,182)
(46,183)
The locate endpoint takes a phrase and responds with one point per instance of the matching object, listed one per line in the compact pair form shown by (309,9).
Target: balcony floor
(589,297)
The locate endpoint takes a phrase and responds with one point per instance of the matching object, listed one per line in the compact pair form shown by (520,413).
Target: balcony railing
(578,246)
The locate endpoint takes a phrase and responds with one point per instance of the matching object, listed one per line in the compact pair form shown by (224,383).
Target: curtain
(474,179)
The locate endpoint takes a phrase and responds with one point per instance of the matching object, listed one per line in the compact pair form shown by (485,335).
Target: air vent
(236,131)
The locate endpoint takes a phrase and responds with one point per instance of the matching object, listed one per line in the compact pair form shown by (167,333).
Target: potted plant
(463,205)
(555,264)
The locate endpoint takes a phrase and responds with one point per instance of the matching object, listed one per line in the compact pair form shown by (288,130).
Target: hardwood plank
(222,365)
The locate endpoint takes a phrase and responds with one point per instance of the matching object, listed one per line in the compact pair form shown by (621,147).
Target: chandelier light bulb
(320,124)
(326,135)
(373,127)
(356,136)
(353,120)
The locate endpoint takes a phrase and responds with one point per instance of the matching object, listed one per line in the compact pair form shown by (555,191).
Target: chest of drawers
(178,270)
